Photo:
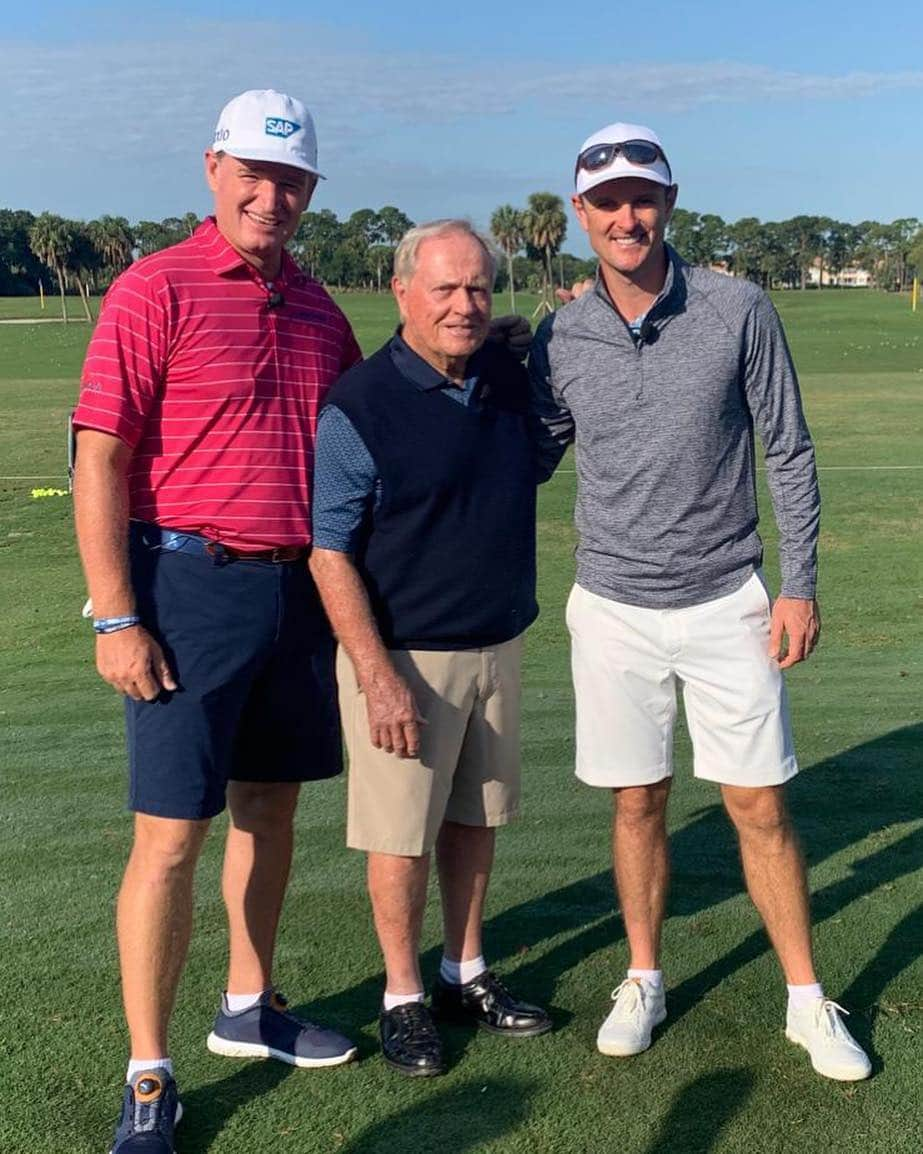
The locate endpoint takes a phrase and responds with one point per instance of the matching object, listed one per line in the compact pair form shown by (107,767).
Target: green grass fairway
(721,1076)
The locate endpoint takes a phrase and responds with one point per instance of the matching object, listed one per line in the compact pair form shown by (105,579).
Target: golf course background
(720,1077)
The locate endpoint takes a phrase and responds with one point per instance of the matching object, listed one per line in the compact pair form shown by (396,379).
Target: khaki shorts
(627,662)
(468,768)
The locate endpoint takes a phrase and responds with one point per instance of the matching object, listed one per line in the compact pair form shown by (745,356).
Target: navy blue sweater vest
(448,555)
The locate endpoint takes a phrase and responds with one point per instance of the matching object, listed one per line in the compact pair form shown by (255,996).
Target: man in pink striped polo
(196,424)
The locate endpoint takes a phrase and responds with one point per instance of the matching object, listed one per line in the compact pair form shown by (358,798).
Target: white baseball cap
(266,125)
(607,155)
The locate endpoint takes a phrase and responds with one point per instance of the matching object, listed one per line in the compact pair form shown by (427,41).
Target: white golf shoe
(638,1008)
(834,1052)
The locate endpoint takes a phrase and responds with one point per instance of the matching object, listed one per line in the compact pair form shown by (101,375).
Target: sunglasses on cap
(640,152)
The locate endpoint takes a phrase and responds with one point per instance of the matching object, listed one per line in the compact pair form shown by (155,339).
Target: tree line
(81,258)
(781,254)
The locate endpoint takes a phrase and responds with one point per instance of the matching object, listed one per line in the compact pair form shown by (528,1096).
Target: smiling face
(257,205)
(625,221)
(445,303)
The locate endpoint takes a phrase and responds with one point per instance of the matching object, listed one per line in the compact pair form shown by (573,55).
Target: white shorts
(626,662)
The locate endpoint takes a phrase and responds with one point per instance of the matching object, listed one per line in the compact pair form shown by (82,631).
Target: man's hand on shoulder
(794,630)
(514,332)
(577,289)
(133,663)
(394,720)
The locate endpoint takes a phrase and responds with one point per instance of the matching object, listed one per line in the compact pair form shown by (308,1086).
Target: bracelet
(115,624)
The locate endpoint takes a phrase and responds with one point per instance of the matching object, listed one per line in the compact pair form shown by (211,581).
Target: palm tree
(546,226)
(508,228)
(114,241)
(83,261)
(51,239)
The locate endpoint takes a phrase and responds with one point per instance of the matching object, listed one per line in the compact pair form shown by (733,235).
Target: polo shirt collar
(223,258)
(421,373)
(670,284)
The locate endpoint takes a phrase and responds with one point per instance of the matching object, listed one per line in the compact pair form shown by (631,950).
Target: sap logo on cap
(276,126)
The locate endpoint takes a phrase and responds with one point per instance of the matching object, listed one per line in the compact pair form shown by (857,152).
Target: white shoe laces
(827,1021)
(629,1000)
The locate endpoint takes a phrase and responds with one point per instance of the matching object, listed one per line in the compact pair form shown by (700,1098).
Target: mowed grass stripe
(721,1077)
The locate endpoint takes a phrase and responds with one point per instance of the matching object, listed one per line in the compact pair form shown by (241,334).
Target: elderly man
(424,555)
(660,373)
(193,499)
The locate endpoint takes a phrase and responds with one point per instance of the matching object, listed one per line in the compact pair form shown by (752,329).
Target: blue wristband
(115,624)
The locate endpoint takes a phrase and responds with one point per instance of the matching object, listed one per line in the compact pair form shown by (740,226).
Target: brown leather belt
(278,556)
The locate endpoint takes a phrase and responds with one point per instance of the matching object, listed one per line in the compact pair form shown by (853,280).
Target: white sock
(801,996)
(238,1002)
(391,1000)
(136,1065)
(458,973)
(652,977)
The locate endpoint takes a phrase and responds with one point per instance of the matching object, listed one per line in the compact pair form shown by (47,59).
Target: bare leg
(397,888)
(464,856)
(257,859)
(642,867)
(154,923)
(774,872)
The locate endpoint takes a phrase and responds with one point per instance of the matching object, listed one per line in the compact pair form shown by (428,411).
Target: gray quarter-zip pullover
(663,429)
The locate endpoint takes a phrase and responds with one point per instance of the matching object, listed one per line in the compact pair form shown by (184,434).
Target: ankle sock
(652,977)
(391,1000)
(458,973)
(801,996)
(239,1002)
(137,1065)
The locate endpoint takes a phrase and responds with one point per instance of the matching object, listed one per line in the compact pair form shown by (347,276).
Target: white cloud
(165,92)
(78,117)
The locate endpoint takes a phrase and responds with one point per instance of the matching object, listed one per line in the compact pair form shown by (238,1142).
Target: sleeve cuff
(334,542)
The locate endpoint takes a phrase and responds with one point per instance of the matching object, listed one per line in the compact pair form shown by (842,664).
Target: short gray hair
(405,255)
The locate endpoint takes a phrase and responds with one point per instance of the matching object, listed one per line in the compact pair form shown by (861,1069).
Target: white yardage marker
(820,469)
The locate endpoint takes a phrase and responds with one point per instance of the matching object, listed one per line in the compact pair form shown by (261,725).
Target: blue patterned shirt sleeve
(346,482)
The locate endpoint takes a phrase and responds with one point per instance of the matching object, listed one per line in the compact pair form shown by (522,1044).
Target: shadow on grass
(512,934)
(462,1120)
(903,945)
(700,1112)
(465,1118)
(207,1110)
(835,804)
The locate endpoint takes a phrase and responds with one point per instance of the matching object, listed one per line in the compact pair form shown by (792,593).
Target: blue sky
(765,110)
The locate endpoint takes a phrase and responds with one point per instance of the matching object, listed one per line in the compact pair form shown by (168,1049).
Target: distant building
(850,277)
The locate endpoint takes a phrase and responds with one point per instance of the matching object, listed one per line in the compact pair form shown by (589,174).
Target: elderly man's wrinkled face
(257,205)
(445,304)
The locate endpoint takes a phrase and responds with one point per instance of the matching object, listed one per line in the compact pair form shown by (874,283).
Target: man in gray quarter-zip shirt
(660,373)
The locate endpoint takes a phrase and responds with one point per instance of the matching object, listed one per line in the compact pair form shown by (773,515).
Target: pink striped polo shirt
(216,393)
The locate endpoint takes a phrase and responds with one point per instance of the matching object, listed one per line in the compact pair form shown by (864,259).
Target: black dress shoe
(409,1040)
(487,1002)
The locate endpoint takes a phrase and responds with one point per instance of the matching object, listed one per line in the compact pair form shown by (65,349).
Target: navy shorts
(253,655)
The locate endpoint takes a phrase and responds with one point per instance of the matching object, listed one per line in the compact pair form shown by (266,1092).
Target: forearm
(548,450)
(101,519)
(796,505)
(394,721)
(775,404)
(551,424)
(347,605)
